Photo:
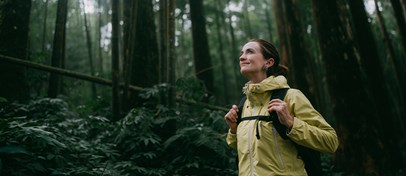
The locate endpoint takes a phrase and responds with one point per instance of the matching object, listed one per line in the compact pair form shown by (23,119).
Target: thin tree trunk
(247,20)
(44,26)
(400,20)
(221,53)
(100,49)
(163,59)
(115,61)
(239,80)
(201,54)
(89,49)
(280,25)
(268,20)
(171,52)
(58,50)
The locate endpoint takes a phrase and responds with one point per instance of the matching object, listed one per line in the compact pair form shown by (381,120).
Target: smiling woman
(268,152)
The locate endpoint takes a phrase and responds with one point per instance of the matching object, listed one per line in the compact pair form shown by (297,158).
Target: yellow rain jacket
(271,154)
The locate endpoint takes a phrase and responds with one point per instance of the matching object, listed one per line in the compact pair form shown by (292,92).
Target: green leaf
(3,100)
(13,150)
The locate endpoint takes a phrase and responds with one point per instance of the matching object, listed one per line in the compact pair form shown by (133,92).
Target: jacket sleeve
(231,139)
(309,129)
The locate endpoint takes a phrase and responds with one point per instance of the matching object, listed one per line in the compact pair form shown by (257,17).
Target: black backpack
(310,157)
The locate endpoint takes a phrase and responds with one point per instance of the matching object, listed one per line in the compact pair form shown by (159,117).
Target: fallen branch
(90,78)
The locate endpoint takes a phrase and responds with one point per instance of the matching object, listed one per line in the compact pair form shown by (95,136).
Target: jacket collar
(255,91)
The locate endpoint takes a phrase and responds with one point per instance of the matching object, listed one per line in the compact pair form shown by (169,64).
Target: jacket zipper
(277,147)
(250,141)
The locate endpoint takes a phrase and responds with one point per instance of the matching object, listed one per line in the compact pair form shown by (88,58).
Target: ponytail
(278,70)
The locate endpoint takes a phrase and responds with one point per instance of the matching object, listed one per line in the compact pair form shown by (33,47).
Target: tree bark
(14,27)
(44,26)
(201,54)
(361,129)
(130,23)
(89,49)
(400,20)
(115,55)
(302,74)
(239,80)
(220,51)
(58,49)
(146,54)
(394,63)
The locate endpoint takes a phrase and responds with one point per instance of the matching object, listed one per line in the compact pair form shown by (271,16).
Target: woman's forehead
(252,45)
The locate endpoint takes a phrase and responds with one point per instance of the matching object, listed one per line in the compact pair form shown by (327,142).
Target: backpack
(310,157)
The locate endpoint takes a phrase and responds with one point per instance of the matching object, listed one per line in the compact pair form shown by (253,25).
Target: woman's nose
(242,57)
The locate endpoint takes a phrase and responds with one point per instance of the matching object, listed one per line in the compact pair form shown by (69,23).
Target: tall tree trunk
(396,64)
(298,56)
(89,49)
(14,27)
(221,52)
(362,131)
(116,108)
(44,26)
(171,52)
(146,55)
(239,80)
(377,80)
(130,30)
(201,54)
(247,20)
(268,20)
(99,48)
(163,45)
(58,49)
(281,26)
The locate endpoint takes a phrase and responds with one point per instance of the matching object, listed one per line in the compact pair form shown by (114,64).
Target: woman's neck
(256,78)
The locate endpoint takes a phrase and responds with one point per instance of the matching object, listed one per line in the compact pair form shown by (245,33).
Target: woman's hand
(231,119)
(281,109)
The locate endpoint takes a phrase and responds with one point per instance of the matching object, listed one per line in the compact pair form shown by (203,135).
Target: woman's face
(252,61)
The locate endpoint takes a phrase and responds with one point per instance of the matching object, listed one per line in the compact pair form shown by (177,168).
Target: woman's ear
(269,63)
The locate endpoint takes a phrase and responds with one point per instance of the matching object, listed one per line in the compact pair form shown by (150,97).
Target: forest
(141,87)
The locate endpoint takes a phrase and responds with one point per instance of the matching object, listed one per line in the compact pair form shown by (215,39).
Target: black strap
(310,157)
(276,94)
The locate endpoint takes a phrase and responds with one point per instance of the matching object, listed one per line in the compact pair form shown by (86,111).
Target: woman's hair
(268,50)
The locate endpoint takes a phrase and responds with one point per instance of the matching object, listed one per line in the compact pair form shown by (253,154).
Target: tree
(167,46)
(58,49)
(145,62)
(361,129)
(297,55)
(130,22)
(201,54)
(89,48)
(115,56)
(14,27)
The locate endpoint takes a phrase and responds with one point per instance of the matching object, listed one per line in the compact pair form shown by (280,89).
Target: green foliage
(44,137)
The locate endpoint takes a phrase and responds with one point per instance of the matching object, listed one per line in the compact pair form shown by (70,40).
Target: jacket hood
(256,91)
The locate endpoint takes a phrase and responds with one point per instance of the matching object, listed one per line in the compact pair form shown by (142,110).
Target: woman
(271,154)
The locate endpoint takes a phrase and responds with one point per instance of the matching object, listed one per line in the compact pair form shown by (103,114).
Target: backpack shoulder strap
(240,108)
(279,94)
